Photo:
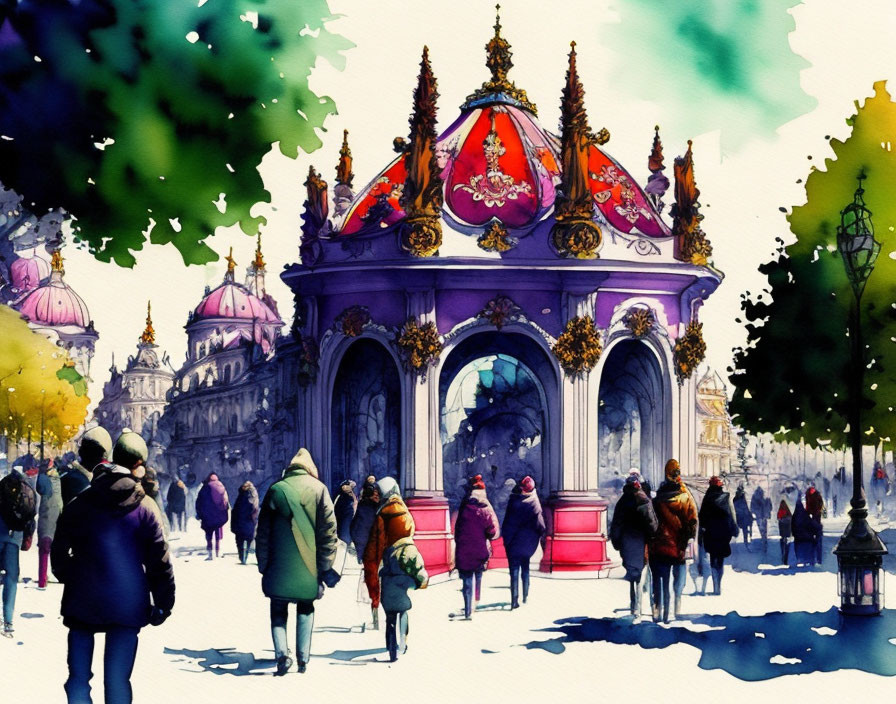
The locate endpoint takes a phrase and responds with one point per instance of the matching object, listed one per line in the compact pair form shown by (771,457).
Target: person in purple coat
(212,506)
(476,526)
(522,530)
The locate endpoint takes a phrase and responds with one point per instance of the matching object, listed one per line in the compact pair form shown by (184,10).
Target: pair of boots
(396,633)
(676,613)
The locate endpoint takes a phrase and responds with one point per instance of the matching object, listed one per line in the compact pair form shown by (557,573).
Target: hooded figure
(361,527)
(212,506)
(130,452)
(13,538)
(717,528)
(295,546)
(392,544)
(95,448)
(476,526)
(815,508)
(110,554)
(344,505)
(742,513)
(634,523)
(522,530)
(177,504)
(761,506)
(676,513)
(244,519)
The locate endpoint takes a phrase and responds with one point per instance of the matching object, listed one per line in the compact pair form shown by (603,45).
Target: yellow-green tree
(38,390)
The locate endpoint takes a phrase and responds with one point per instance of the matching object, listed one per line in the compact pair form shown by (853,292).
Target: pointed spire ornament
(422,196)
(56,261)
(259,258)
(342,191)
(149,334)
(498,60)
(314,218)
(575,234)
(693,246)
(231,265)
(657,183)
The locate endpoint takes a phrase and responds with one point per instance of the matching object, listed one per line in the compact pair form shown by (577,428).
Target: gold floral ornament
(578,348)
(422,196)
(308,361)
(690,350)
(352,320)
(693,246)
(420,346)
(496,238)
(640,322)
(575,234)
(499,311)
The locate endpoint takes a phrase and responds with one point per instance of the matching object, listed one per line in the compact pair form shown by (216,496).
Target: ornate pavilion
(501,300)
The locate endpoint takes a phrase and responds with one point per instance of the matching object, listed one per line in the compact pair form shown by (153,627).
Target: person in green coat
(295,546)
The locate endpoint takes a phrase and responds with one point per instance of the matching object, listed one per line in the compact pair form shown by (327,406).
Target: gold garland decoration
(420,345)
(422,236)
(578,348)
(690,350)
(496,239)
(640,322)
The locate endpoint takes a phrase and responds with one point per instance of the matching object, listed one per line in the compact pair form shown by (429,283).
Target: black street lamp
(860,550)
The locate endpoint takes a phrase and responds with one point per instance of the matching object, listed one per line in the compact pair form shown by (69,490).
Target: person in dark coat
(522,530)
(212,507)
(95,448)
(344,507)
(295,545)
(361,527)
(806,531)
(12,542)
(761,507)
(785,520)
(676,514)
(244,519)
(815,508)
(111,557)
(177,505)
(634,523)
(742,513)
(718,528)
(475,528)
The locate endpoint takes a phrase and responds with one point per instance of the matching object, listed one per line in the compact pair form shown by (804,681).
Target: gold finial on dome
(498,60)
(259,259)
(56,262)
(231,265)
(149,334)
(344,173)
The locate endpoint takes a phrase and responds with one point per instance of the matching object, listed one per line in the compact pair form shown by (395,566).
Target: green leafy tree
(792,375)
(136,115)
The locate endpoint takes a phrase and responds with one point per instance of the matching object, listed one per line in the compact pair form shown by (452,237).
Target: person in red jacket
(815,508)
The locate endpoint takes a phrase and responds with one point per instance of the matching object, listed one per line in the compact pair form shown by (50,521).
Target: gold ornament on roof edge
(496,239)
(690,350)
(578,348)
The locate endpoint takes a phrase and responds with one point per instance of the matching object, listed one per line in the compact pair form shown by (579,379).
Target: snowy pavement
(570,640)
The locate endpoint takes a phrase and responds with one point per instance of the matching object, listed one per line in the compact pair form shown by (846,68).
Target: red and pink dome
(54,304)
(231,300)
(27,273)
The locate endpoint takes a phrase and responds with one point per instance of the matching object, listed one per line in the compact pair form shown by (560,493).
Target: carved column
(422,475)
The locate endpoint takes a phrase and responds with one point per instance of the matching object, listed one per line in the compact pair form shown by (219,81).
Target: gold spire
(56,262)
(231,264)
(498,60)
(149,334)
(655,161)
(259,259)
(693,245)
(344,173)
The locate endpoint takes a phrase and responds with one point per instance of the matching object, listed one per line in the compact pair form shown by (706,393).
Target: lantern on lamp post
(860,550)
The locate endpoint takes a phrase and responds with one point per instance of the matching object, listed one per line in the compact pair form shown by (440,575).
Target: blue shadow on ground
(226,661)
(754,648)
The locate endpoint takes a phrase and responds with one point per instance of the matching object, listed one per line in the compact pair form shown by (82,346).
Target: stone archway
(365,415)
(634,415)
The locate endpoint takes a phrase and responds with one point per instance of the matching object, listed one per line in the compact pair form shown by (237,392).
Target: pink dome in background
(230,300)
(28,272)
(54,304)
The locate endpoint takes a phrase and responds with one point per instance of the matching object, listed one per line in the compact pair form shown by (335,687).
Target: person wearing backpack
(295,547)
(17,510)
